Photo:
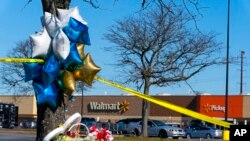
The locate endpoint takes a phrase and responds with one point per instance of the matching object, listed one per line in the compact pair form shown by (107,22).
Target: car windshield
(159,123)
(211,128)
(88,120)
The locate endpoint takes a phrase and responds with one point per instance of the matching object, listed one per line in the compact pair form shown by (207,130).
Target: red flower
(101,135)
(71,134)
(93,129)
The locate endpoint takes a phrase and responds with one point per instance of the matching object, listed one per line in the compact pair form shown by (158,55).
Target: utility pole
(227,62)
(241,71)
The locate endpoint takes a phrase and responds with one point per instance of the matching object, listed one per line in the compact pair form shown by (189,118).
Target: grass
(126,138)
(122,138)
(136,139)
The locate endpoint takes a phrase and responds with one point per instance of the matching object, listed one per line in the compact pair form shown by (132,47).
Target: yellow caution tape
(168,105)
(21,60)
(143,96)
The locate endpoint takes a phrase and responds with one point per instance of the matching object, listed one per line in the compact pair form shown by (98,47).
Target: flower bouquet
(71,131)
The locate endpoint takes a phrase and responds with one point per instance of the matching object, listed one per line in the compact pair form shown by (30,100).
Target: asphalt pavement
(17,134)
(17,137)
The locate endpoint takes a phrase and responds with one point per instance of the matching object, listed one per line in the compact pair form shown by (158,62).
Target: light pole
(241,71)
(227,61)
(82,99)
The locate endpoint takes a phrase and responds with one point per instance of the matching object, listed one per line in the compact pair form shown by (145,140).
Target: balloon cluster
(60,44)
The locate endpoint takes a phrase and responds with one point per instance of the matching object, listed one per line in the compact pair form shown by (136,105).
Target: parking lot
(32,137)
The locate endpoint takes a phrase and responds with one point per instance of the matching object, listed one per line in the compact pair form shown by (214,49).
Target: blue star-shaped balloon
(77,32)
(46,95)
(50,70)
(32,71)
(73,58)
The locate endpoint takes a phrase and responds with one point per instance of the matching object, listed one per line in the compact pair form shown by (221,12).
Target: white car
(203,132)
(158,128)
(173,124)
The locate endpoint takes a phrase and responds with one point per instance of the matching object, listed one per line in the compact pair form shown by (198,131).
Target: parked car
(33,124)
(124,125)
(203,132)
(108,125)
(174,124)
(88,121)
(26,124)
(197,122)
(158,128)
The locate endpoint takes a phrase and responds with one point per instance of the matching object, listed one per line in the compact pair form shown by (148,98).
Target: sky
(18,22)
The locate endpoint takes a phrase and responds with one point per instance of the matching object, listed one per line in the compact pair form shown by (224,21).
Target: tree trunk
(48,120)
(51,5)
(145,109)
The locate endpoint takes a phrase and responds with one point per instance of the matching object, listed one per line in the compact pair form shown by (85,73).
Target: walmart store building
(126,106)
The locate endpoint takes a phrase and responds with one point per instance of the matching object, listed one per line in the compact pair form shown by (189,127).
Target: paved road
(17,137)
(17,134)
(30,135)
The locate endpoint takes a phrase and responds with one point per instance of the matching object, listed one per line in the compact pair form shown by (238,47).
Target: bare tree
(48,120)
(156,47)
(12,74)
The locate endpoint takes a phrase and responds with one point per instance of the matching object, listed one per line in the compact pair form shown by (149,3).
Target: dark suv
(88,121)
